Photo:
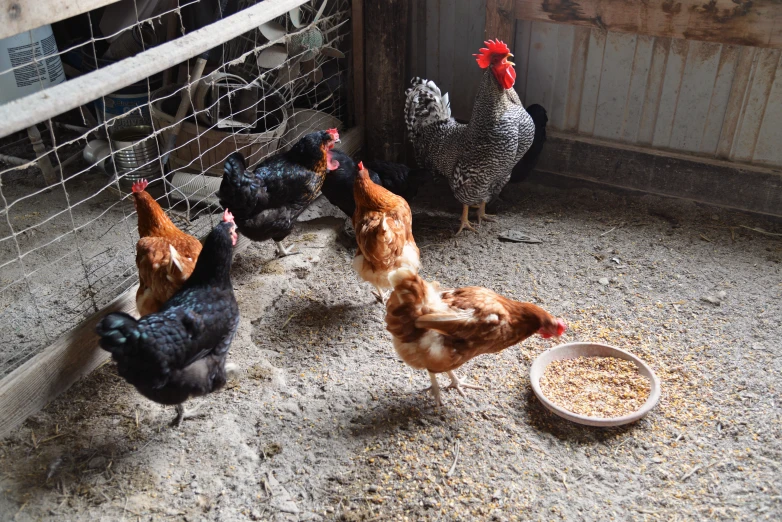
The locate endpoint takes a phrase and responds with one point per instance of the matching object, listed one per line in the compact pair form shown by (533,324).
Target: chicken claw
(182,414)
(483,216)
(284,252)
(465,221)
(460,385)
(435,389)
(382,297)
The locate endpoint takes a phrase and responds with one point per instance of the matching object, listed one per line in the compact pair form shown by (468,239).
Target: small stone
(255,514)
(496,495)
(97,463)
(373,488)
(429,503)
(715,217)
(603,281)
(722,294)
(329,509)
(711,299)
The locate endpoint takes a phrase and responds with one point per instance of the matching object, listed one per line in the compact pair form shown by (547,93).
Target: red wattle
(331,163)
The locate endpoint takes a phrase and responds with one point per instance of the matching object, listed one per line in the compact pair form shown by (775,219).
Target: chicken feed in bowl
(604,387)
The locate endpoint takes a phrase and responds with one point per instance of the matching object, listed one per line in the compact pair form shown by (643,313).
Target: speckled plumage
(180,351)
(267,200)
(476,158)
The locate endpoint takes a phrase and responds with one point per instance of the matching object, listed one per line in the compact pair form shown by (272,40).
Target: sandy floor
(326,423)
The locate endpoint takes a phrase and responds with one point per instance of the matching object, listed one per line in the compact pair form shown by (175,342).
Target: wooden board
(744,22)
(34,108)
(388,23)
(716,182)
(500,21)
(17,16)
(29,388)
(358,61)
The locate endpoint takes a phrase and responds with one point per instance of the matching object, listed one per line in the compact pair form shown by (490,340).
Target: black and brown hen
(524,167)
(395,177)
(267,200)
(179,352)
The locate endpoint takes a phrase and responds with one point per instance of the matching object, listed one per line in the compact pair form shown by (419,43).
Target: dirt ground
(326,423)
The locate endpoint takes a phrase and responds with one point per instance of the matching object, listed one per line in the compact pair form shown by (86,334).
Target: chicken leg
(482,215)
(282,251)
(465,220)
(182,414)
(460,385)
(435,389)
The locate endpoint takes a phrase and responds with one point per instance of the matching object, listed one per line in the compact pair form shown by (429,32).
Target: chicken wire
(68,247)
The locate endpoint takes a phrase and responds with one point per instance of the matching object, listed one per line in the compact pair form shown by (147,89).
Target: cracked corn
(602,387)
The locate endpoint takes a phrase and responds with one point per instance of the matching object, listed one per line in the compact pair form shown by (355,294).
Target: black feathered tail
(524,168)
(239,188)
(398,178)
(119,333)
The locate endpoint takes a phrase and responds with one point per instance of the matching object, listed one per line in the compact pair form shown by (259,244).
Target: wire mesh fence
(67,222)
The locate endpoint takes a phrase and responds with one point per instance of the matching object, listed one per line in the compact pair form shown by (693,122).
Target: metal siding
(722,101)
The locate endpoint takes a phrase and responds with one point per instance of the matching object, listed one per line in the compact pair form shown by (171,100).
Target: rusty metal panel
(706,98)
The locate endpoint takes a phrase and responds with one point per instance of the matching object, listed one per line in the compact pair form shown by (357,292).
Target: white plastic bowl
(574,350)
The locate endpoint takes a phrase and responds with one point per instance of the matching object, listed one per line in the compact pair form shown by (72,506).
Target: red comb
(139,185)
(228,217)
(492,47)
(360,165)
(334,133)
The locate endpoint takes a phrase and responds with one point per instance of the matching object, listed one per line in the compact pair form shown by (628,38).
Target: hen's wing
(476,317)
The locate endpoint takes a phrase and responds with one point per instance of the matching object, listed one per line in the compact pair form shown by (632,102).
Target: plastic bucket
(29,77)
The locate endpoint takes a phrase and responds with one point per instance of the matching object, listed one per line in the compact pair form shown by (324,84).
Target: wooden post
(359,105)
(386,26)
(500,21)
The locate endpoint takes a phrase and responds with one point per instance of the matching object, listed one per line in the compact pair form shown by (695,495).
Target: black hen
(395,177)
(180,351)
(267,201)
(524,168)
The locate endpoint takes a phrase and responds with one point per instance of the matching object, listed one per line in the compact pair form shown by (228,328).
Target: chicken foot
(465,223)
(182,414)
(435,389)
(483,216)
(460,385)
(284,252)
(382,297)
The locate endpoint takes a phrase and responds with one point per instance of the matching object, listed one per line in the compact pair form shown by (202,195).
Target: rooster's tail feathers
(119,333)
(425,104)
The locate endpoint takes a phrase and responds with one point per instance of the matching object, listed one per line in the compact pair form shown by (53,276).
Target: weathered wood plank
(592,77)
(578,59)
(614,85)
(739,186)
(654,88)
(17,16)
(639,77)
(697,88)
(752,114)
(522,51)
(468,38)
(743,22)
(387,21)
(720,97)
(669,97)
(433,40)
(357,22)
(447,18)
(500,21)
(738,93)
(769,144)
(541,64)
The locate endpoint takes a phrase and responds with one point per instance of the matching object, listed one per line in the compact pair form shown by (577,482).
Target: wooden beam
(32,386)
(18,16)
(34,108)
(500,21)
(755,23)
(387,23)
(359,105)
(716,182)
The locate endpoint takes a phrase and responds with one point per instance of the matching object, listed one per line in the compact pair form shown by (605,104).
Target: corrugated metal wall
(721,101)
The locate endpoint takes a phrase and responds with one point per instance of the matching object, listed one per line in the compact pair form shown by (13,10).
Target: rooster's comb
(228,217)
(492,47)
(334,133)
(360,166)
(139,185)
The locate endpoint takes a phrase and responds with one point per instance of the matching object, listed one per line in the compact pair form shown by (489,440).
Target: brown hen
(165,256)
(440,330)
(384,233)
